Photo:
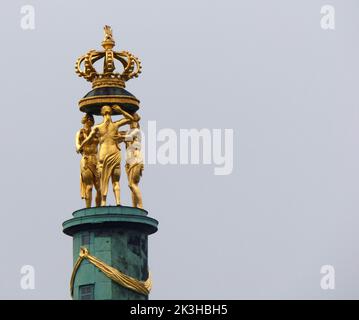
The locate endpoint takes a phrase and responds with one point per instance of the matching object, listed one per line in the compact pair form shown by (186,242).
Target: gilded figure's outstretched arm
(123,112)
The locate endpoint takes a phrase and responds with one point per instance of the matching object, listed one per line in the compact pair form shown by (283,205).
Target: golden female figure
(88,165)
(134,160)
(109,156)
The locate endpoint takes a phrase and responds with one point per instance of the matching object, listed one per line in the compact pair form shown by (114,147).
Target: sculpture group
(100,144)
(100,147)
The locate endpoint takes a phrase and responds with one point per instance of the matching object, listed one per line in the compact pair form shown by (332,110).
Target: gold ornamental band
(105,82)
(108,99)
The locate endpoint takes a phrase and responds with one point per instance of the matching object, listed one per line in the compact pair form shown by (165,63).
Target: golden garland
(142,287)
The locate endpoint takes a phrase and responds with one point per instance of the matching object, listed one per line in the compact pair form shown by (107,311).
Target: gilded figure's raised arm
(92,134)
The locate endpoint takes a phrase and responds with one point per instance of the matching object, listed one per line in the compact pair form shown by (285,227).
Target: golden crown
(108,78)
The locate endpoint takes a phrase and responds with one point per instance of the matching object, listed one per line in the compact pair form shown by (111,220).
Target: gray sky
(267,69)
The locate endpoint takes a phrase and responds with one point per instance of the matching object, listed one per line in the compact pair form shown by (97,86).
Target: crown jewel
(108,78)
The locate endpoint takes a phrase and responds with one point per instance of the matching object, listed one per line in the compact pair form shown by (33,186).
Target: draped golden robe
(108,166)
(88,172)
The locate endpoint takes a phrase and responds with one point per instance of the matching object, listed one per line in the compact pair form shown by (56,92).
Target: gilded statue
(100,143)
(109,155)
(89,176)
(134,159)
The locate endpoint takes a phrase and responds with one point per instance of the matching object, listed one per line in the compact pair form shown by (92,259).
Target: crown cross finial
(108,42)
(85,64)
(108,33)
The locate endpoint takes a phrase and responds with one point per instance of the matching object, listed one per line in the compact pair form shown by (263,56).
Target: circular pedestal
(118,236)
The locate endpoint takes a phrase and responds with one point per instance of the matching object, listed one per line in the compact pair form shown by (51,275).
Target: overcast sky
(266,69)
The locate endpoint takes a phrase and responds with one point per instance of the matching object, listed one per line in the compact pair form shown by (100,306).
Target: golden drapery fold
(142,287)
(110,162)
(87,163)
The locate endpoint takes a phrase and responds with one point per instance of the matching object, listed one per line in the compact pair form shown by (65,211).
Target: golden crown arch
(108,86)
